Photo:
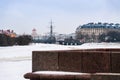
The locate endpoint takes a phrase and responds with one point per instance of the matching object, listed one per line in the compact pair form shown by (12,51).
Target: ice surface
(14,70)
(15,61)
(25,51)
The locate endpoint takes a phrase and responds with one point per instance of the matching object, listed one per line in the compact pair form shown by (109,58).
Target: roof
(100,25)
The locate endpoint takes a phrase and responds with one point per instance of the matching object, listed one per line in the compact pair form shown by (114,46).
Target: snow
(70,73)
(14,70)
(20,52)
(58,73)
(97,45)
(15,61)
(25,51)
(118,74)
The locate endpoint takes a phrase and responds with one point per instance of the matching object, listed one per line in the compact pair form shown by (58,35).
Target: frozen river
(14,70)
(15,61)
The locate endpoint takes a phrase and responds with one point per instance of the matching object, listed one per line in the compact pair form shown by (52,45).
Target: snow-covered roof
(100,25)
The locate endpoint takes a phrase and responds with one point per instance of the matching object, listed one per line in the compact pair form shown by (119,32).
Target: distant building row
(95,29)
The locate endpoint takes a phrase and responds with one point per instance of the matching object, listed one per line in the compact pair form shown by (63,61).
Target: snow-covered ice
(14,70)
(15,61)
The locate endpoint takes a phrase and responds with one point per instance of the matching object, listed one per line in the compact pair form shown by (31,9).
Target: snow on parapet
(57,73)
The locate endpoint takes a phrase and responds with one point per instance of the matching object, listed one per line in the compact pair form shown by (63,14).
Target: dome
(34,29)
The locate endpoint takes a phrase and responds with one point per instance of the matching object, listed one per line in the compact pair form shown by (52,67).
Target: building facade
(90,32)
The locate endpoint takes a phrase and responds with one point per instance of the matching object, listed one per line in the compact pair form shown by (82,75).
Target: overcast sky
(24,15)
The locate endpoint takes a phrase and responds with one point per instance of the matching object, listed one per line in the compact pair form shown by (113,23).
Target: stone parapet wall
(91,64)
(86,61)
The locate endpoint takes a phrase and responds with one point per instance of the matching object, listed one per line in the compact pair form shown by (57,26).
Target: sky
(24,15)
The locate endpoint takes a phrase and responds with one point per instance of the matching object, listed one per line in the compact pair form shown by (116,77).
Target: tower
(34,33)
(52,38)
(51,29)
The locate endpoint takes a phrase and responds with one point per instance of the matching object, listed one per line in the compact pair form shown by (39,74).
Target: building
(34,33)
(8,32)
(90,32)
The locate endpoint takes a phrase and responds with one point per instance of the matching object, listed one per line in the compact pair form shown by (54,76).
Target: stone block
(44,61)
(70,61)
(93,62)
(115,62)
